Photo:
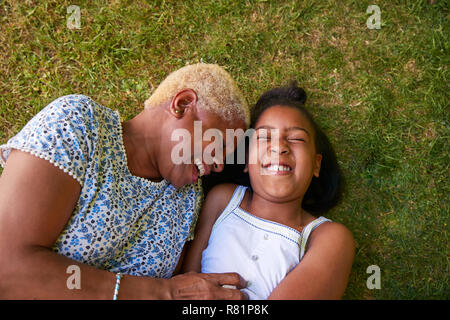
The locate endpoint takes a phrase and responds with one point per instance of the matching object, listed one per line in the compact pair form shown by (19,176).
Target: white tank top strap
(307,231)
(234,202)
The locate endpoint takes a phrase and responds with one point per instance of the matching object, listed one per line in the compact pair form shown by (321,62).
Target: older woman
(81,188)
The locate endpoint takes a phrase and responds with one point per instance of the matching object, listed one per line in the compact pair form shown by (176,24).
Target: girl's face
(282,158)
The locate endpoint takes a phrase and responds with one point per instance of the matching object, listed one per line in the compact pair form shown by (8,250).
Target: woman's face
(201,147)
(282,157)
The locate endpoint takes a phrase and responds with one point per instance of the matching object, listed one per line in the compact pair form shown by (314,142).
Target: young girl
(269,233)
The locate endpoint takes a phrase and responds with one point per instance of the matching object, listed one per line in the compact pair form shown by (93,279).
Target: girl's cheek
(252,158)
(253,172)
(258,151)
(252,153)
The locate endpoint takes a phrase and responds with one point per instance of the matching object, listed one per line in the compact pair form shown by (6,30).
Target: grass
(381,95)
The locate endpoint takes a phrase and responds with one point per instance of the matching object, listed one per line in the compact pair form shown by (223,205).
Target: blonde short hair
(216,91)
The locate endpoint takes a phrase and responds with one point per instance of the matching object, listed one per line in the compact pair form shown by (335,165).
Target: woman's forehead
(215,121)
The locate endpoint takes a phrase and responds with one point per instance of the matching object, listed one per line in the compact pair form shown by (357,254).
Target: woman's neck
(141,145)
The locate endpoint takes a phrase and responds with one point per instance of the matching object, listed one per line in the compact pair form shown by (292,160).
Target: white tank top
(263,252)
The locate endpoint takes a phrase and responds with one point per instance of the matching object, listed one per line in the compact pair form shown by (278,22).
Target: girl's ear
(246,168)
(317,164)
(184,99)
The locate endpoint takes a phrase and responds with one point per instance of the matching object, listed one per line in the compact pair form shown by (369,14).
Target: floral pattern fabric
(121,222)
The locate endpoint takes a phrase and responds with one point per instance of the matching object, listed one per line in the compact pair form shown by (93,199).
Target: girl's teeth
(278,168)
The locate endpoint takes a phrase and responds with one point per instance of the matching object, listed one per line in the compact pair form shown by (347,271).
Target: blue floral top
(121,222)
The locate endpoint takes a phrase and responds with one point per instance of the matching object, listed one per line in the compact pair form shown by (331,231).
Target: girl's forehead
(282,117)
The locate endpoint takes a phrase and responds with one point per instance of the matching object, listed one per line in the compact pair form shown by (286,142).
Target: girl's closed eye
(297,134)
(296,139)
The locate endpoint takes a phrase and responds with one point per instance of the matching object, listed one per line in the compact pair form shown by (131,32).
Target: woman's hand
(206,286)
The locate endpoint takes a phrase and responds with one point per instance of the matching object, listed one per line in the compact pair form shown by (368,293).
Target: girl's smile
(277,168)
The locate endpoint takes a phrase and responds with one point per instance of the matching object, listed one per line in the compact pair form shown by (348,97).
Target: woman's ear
(317,164)
(183,100)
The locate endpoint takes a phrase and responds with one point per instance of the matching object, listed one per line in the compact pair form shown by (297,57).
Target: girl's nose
(284,150)
(280,148)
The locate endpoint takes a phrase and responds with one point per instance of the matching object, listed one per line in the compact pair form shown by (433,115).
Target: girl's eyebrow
(298,128)
(287,129)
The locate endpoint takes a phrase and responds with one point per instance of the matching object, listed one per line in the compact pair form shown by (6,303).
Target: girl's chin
(280,197)
(277,194)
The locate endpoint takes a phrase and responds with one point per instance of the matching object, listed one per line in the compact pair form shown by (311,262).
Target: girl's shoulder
(221,193)
(331,234)
(218,198)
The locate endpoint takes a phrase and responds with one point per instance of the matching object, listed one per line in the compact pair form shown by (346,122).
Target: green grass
(381,95)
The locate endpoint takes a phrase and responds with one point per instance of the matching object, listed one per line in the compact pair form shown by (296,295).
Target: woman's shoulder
(65,133)
(81,115)
(76,100)
(79,106)
(72,101)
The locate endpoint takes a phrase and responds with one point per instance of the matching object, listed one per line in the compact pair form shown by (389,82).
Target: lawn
(380,94)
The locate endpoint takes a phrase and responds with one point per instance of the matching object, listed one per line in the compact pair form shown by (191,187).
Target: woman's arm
(324,270)
(215,203)
(36,201)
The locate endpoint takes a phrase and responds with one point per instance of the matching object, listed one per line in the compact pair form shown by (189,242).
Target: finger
(233,294)
(231,278)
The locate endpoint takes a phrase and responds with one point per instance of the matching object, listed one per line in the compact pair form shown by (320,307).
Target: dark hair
(325,191)
(231,173)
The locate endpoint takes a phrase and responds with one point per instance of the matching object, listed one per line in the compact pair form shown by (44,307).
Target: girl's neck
(289,213)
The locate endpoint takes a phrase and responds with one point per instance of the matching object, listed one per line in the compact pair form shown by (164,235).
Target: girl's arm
(324,270)
(216,201)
